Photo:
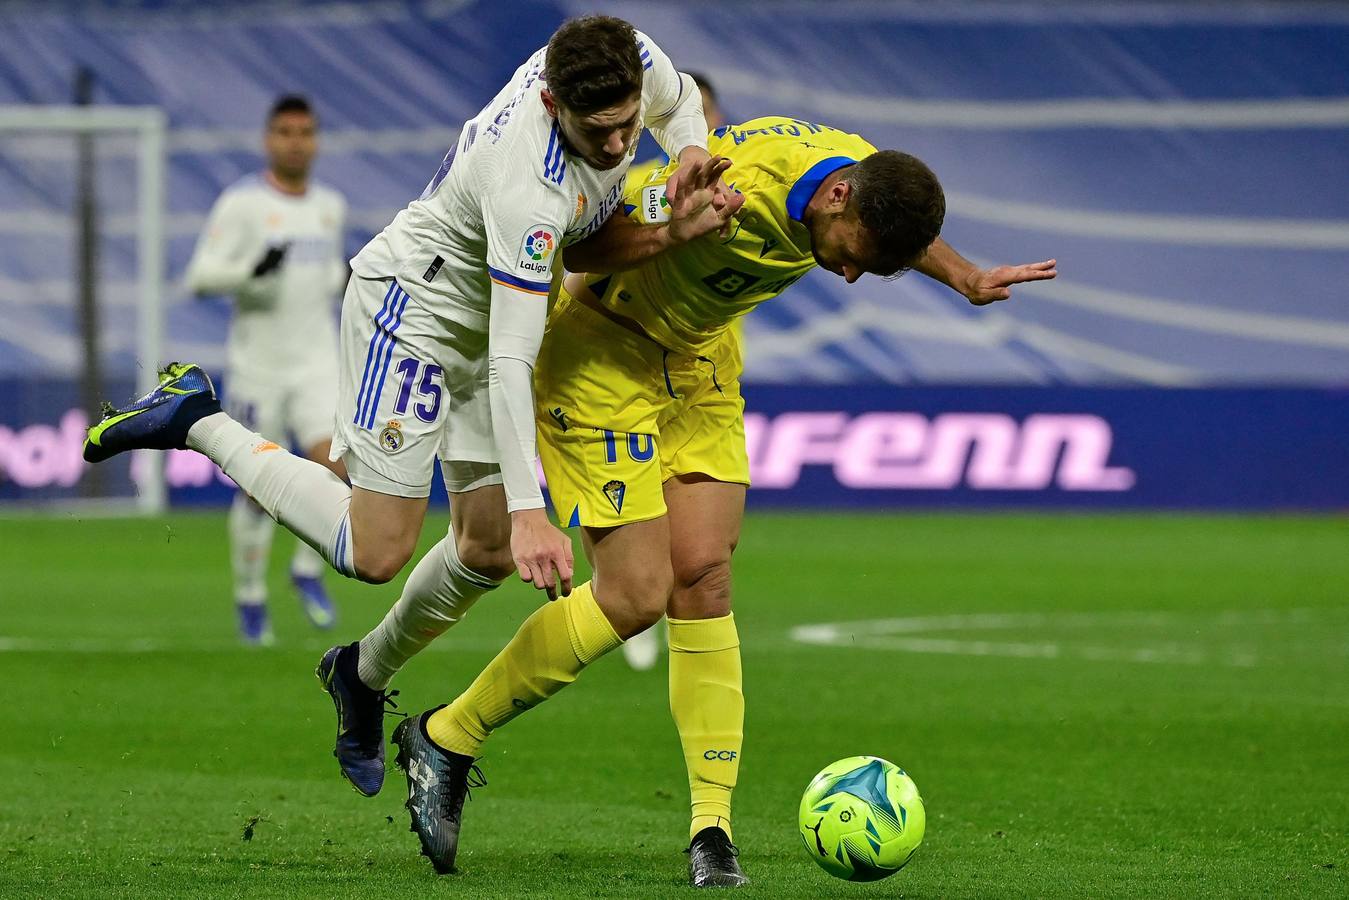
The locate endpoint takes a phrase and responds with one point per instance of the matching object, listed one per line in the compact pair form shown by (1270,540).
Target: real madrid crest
(391,438)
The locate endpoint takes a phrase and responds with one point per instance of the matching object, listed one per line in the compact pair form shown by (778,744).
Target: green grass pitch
(1133,706)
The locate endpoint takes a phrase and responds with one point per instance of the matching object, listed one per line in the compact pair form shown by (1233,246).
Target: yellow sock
(709,710)
(547,653)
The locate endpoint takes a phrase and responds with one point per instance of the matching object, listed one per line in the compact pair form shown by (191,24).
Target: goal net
(81,298)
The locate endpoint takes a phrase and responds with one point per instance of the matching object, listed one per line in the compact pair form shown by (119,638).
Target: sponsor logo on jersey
(724,755)
(391,438)
(615,490)
(655,208)
(536,250)
(580,209)
(607,205)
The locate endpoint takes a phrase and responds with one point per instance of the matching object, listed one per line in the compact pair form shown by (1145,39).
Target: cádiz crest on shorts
(615,490)
(391,438)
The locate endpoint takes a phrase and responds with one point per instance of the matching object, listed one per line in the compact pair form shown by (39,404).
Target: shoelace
(370,741)
(720,844)
(473,778)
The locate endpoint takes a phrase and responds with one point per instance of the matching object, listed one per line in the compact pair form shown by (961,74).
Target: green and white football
(862,818)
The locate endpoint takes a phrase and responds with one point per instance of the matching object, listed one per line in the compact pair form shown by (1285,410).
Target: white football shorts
(296,411)
(412,387)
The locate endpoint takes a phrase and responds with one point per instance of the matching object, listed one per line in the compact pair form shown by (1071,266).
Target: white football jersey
(509,194)
(283,323)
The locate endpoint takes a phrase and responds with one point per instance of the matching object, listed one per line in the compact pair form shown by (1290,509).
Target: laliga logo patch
(391,438)
(615,490)
(537,249)
(655,208)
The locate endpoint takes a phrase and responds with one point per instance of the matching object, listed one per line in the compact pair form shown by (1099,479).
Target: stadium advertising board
(889,446)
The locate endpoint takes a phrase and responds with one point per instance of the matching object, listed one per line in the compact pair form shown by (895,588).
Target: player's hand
(701,203)
(271,260)
(985,286)
(538,549)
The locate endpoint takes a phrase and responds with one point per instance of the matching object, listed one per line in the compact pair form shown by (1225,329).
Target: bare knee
(634,601)
(379,560)
(380,565)
(702,589)
(384,532)
(488,556)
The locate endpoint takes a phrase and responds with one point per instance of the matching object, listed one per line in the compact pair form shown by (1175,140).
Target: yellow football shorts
(618,415)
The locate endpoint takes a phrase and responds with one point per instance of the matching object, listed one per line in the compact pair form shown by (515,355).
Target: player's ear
(839,195)
(549,103)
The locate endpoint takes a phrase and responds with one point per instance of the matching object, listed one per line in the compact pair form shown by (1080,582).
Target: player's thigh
(705,433)
(632,577)
(384,532)
(478,517)
(705,520)
(598,395)
(391,409)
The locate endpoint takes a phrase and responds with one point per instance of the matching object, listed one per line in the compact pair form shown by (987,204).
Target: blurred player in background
(274,242)
(641,426)
(643,650)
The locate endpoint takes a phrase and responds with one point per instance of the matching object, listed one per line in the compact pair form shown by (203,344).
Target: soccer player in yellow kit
(642,436)
(642,651)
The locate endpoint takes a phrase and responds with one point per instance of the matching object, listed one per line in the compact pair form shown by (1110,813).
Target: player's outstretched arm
(699,209)
(980,286)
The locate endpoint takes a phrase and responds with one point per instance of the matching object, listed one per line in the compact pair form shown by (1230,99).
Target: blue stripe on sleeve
(506,278)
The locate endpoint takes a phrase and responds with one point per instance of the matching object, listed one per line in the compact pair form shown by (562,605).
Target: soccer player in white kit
(273,241)
(441,324)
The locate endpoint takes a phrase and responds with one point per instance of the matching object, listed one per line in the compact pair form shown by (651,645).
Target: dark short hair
(288,103)
(900,203)
(703,84)
(593,63)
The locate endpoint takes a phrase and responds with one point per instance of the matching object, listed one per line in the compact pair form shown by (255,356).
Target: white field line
(905,635)
(224,644)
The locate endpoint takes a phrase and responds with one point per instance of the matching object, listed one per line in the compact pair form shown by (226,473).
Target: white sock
(438,593)
(250,530)
(306,562)
(302,495)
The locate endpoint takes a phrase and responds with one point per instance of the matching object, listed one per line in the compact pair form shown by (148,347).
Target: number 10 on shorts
(428,388)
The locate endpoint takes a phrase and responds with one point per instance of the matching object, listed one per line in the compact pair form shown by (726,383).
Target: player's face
(291,143)
(604,138)
(841,244)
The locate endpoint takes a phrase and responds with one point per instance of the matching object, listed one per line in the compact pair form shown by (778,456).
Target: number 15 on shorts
(428,389)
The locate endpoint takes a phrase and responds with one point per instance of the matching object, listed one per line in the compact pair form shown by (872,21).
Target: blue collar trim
(809,183)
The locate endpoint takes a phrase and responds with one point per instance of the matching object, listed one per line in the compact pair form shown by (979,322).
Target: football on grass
(862,819)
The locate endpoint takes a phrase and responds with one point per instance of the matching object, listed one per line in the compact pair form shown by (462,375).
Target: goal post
(148,125)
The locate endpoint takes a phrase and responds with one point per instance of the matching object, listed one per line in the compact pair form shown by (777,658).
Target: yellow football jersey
(640,173)
(686,299)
